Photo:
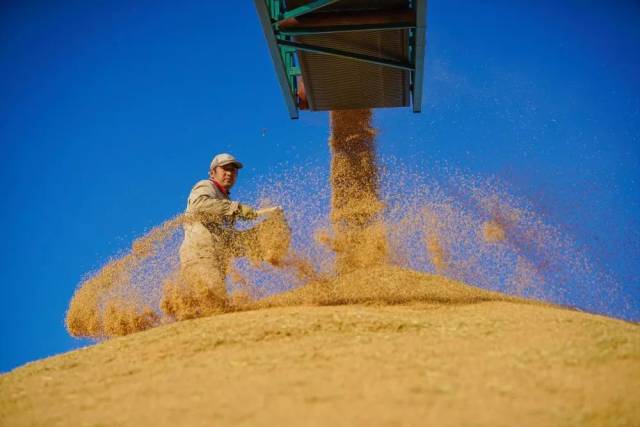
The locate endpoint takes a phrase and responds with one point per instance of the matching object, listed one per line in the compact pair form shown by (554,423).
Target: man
(211,241)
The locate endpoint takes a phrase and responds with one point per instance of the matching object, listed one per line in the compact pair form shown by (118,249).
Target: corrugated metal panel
(334,83)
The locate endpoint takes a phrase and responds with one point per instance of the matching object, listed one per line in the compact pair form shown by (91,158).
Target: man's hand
(269,211)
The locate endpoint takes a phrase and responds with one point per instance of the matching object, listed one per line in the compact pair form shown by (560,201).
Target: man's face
(226,175)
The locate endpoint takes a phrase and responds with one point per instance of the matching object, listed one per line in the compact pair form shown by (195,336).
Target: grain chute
(346,54)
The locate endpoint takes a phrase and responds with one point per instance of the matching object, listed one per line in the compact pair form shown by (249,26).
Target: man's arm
(201,200)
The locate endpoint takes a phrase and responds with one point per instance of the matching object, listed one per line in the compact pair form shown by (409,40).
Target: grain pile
(444,354)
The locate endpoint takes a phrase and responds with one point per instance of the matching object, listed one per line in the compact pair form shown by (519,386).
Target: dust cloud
(114,301)
(351,237)
(186,295)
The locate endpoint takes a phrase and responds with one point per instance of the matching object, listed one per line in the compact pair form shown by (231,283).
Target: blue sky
(110,111)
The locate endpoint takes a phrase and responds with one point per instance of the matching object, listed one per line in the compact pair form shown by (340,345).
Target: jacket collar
(220,187)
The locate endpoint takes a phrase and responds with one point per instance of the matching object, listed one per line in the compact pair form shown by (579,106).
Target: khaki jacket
(210,215)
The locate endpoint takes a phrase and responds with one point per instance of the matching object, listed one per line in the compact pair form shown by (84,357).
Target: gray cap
(225,159)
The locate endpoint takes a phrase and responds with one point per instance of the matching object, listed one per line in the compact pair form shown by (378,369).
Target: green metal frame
(343,29)
(307,8)
(350,55)
(283,48)
(418,46)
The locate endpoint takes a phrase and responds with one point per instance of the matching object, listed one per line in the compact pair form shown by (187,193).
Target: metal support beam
(344,29)
(418,53)
(278,63)
(348,55)
(307,8)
